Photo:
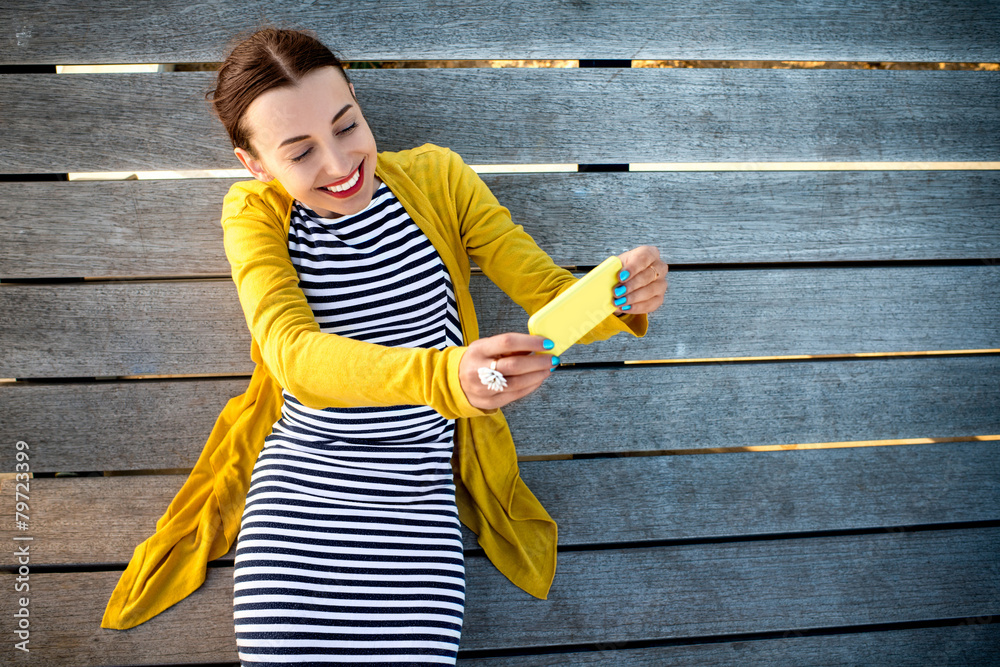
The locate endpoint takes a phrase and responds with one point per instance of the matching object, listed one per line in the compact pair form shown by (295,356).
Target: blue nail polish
(620,291)
(555,361)
(623,276)
(548,345)
(626,307)
(620,301)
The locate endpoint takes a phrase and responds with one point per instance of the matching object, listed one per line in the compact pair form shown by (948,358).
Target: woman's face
(314,140)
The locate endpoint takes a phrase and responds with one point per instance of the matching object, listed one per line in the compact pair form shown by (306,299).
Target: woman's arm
(322,369)
(510,257)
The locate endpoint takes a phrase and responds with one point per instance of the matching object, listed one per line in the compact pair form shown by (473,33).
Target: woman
(352,268)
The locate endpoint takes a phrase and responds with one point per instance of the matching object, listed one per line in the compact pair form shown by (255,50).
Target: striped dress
(350,549)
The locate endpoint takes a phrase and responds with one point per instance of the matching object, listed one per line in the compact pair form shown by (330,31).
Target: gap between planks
(568,167)
(585,365)
(662,452)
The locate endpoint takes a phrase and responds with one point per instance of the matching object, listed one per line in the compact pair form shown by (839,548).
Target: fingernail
(555,361)
(619,291)
(626,307)
(624,275)
(620,301)
(548,345)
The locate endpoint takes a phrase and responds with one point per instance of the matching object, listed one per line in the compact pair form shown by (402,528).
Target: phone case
(571,315)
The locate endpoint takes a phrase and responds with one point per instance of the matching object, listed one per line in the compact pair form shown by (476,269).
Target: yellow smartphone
(571,315)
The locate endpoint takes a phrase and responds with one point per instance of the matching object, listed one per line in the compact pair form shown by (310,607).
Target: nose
(337,163)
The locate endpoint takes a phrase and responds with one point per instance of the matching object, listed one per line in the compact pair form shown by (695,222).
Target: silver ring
(492,378)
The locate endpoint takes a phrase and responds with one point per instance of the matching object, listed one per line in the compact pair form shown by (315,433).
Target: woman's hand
(646,282)
(524,371)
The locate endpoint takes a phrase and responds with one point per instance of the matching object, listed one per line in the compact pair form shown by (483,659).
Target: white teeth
(345,186)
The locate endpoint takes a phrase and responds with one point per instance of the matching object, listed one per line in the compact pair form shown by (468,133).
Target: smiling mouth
(345,188)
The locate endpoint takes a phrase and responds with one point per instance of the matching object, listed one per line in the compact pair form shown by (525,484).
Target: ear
(253,165)
(351,85)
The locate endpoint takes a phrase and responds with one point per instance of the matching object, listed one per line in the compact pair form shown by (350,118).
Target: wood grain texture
(150,426)
(676,407)
(95,326)
(78,521)
(972,643)
(768,580)
(58,31)
(697,590)
(161,121)
(197,327)
(166,227)
(112,228)
(603,596)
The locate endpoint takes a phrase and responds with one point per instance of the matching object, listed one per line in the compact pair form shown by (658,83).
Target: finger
(626,293)
(646,306)
(646,266)
(637,259)
(644,299)
(651,290)
(510,343)
(522,385)
(517,387)
(517,365)
(641,279)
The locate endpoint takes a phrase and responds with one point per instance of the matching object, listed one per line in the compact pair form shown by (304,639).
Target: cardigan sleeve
(509,256)
(322,369)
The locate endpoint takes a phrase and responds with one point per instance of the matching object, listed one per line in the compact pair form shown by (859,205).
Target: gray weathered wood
(678,407)
(77,521)
(81,427)
(163,227)
(56,31)
(736,313)
(161,121)
(973,642)
(149,425)
(768,580)
(693,590)
(604,596)
(93,335)
(197,327)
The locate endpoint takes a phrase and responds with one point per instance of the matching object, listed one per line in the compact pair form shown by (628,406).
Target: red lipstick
(350,192)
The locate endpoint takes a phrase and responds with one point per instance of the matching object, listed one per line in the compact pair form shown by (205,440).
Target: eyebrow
(337,115)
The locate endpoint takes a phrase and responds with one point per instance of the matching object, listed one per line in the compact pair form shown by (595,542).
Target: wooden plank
(718,589)
(713,314)
(721,405)
(113,228)
(108,333)
(972,643)
(693,590)
(709,496)
(89,329)
(161,122)
(174,418)
(77,521)
(118,31)
(81,426)
(65,623)
(136,228)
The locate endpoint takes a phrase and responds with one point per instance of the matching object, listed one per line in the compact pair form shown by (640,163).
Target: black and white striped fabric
(350,549)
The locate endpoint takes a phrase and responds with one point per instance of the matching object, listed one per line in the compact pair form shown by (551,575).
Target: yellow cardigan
(463,220)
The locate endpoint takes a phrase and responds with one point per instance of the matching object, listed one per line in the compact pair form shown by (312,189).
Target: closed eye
(301,156)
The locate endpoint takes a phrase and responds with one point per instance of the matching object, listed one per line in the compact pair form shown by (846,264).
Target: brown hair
(269,58)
